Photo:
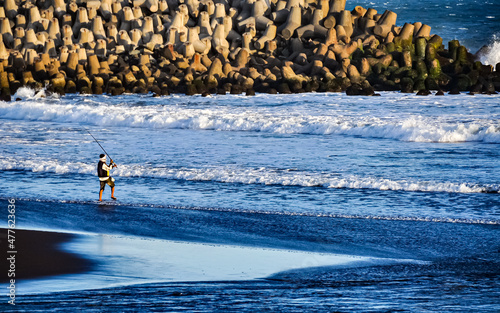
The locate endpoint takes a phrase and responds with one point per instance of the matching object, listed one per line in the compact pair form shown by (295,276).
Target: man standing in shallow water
(103,173)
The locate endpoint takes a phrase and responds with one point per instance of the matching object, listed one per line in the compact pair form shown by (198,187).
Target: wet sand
(120,260)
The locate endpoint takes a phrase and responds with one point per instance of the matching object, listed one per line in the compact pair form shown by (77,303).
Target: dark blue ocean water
(474,23)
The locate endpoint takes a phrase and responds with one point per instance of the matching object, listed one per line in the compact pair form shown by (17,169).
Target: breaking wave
(251,176)
(490,55)
(297,120)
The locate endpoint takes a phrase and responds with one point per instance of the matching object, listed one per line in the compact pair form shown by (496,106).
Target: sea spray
(491,54)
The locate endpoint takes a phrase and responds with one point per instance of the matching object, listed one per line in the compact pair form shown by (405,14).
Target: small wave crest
(287,213)
(255,176)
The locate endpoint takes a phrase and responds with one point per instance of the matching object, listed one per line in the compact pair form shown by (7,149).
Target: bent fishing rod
(100,146)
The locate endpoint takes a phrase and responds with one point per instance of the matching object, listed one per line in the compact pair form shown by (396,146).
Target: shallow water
(395,156)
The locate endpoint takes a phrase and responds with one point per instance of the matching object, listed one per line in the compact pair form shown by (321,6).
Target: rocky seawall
(220,46)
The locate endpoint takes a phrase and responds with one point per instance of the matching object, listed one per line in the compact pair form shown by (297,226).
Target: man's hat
(102,155)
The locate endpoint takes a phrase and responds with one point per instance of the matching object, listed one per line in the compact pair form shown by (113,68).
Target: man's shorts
(110,181)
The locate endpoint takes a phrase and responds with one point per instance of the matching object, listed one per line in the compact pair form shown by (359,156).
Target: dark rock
(440,93)
(453,49)
(462,82)
(419,84)
(85,90)
(354,90)
(97,90)
(139,83)
(295,86)
(236,90)
(462,55)
(437,42)
(477,88)
(15,85)
(190,90)
(116,91)
(332,86)
(165,91)
(431,84)
(407,85)
(423,92)
(401,72)
(83,82)
(5,95)
(489,88)
(358,90)
(378,68)
(312,86)
(70,87)
(345,83)
(474,76)
(284,89)
(443,80)
(139,90)
(155,89)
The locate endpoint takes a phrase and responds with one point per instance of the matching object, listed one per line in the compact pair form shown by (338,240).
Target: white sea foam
(296,120)
(251,176)
(26,93)
(491,55)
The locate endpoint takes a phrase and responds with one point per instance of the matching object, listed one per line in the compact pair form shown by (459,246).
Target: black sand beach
(39,255)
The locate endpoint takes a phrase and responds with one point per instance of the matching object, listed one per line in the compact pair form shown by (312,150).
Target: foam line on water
(431,219)
(276,120)
(250,176)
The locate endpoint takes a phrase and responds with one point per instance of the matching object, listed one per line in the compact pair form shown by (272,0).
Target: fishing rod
(100,146)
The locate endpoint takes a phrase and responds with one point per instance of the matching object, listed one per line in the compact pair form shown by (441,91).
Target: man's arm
(107,167)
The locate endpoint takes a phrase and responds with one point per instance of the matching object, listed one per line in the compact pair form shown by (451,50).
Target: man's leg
(111,183)
(102,185)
